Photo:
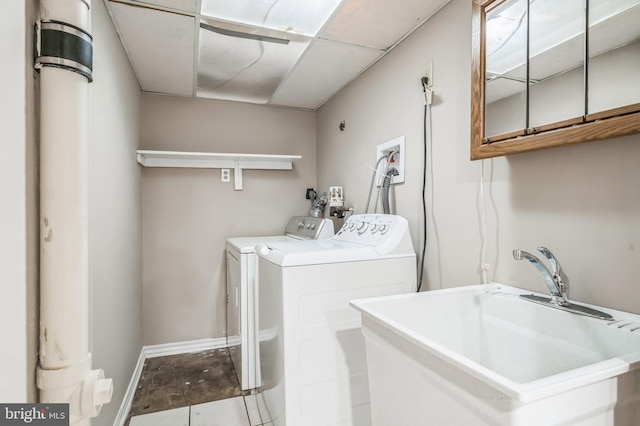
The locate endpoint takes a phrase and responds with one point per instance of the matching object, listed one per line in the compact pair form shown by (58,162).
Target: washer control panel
(371,229)
(307,227)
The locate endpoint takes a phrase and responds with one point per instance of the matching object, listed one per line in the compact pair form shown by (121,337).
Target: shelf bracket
(237,176)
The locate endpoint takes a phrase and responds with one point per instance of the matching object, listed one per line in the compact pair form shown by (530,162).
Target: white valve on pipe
(96,391)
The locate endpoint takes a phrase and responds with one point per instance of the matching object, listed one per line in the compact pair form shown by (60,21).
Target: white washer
(312,352)
(241,307)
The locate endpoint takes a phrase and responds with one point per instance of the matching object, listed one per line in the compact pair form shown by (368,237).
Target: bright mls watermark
(34,414)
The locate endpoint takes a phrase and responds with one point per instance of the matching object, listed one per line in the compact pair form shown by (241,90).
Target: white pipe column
(64,373)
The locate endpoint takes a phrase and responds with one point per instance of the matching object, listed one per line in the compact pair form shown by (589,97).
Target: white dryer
(241,277)
(312,352)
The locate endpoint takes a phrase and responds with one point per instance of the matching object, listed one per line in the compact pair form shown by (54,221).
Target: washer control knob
(362,228)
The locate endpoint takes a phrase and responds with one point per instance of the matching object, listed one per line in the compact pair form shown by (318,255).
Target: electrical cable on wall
(428,96)
(484,266)
(483,199)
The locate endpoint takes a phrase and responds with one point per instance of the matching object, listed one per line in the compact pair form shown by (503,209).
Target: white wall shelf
(212,160)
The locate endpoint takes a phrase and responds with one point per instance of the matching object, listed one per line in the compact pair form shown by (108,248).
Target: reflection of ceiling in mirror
(557,38)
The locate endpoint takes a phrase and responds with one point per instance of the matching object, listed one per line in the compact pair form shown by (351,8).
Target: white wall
(580,201)
(189,213)
(13,208)
(115,212)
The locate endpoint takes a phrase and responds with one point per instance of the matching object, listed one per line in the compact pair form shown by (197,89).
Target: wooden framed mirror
(531,85)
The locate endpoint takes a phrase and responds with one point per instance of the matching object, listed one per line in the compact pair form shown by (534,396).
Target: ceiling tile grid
(292,53)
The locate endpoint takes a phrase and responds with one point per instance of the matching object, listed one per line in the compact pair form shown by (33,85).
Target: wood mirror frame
(607,124)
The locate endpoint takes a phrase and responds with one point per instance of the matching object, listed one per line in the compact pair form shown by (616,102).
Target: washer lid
(248,244)
(318,252)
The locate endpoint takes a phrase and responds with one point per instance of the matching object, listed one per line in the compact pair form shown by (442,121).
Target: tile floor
(198,389)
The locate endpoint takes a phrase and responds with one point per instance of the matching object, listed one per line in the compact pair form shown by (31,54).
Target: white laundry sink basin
(482,355)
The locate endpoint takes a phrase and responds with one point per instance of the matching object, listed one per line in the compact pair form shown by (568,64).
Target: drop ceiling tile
(183,5)
(324,69)
(241,69)
(301,17)
(378,24)
(160,46)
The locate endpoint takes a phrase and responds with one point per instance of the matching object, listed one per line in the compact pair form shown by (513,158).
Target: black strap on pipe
(65,46)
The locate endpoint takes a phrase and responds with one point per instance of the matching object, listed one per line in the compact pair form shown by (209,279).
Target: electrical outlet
(428,72)
(225,175)
(384,149)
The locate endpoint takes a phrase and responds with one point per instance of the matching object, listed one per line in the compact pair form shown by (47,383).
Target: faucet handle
(558,274)
(555,265)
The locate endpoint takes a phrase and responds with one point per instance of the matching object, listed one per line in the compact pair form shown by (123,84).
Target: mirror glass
(556,61)
(553,35)
(506,72)
(614,54)
(550,73)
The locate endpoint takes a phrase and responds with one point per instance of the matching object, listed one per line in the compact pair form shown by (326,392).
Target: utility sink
(483,355)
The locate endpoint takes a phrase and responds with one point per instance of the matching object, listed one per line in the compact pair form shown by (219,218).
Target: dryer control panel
(309,228)
(372,229)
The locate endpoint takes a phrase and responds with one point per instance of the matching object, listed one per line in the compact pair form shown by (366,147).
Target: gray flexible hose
(373,177)
(386,183)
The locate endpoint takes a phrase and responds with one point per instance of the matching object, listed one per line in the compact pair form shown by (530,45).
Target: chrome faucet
(556,280)
(558,284)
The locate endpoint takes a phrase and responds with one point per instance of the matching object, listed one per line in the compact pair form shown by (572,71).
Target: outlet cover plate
(428,72)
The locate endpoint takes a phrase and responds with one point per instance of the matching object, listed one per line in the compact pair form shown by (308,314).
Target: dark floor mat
(186,379)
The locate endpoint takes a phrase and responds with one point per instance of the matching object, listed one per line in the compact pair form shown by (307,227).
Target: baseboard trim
(154,351)
(127,400)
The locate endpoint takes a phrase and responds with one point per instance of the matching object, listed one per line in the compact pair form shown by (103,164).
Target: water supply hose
(386,183)
(373,177)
